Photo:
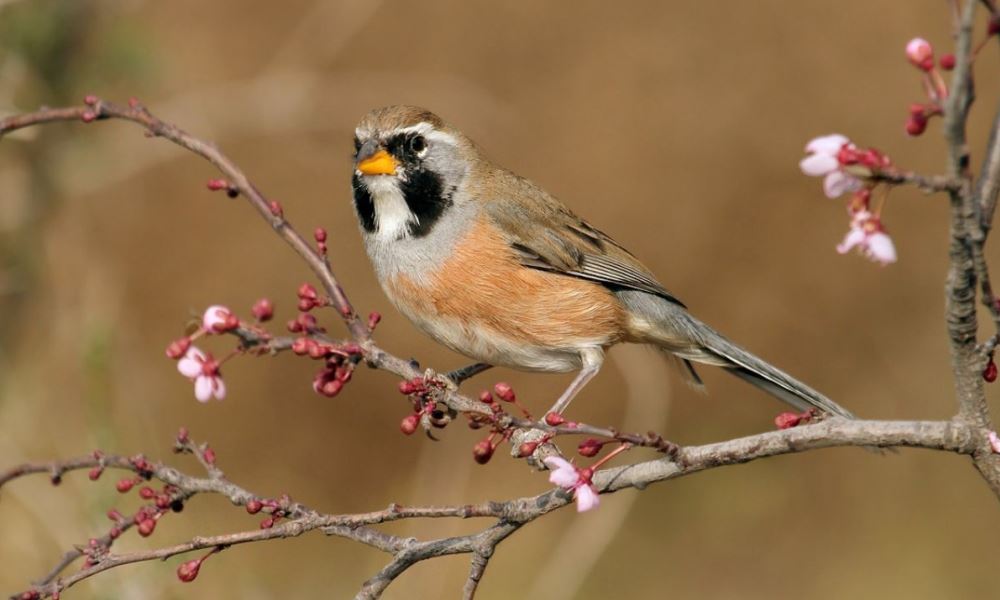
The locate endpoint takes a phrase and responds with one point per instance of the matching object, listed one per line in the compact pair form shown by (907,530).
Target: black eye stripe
(406,146)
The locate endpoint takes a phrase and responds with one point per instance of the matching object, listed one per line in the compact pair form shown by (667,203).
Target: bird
(493,267)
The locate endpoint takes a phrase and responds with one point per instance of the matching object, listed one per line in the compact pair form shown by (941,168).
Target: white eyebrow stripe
(422,128)
(427,130)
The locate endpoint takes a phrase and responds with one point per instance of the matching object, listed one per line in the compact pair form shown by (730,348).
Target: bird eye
(418,144)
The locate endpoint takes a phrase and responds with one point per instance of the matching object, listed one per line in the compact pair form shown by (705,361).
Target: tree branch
(508,516)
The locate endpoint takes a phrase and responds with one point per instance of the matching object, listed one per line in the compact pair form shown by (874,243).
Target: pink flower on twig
(218,319)
(567,476)
(203,370)
(868,235)
(824,160)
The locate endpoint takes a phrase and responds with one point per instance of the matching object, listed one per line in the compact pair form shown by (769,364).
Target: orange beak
(380,163)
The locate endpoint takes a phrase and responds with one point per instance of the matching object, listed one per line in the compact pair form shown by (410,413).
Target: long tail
(673,329)
(772,380)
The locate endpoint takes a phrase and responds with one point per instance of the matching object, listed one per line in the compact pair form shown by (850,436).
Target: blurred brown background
(674,126)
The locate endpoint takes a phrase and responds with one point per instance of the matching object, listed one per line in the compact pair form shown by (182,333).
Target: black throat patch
(363,204)
(427,199)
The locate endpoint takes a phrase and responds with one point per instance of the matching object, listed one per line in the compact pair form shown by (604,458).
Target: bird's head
(408,164)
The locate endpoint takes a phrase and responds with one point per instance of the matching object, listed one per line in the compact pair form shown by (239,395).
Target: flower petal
(827,144)
(586,498)
(817,165)
(880,248)
(203,388)
(838,183)
(190,365)
(218,388)
(853,238)
(563,472)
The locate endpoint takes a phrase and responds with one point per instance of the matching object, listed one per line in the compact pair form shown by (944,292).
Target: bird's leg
(592,360)
(467,372)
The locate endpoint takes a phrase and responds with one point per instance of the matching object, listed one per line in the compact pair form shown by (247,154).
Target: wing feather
(546,235)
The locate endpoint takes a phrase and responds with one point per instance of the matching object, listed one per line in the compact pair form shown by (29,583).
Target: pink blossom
(204,371)
(217,319)
(823,160)
(868,235)
(920,52)
(567,476)
(994,441)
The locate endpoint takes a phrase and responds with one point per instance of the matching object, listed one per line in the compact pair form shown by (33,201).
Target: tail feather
(776,382)
(674,330)
(768,378)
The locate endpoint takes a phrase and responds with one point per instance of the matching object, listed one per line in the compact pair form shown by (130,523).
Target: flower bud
(306,290)
(554,419)
(146,527)
(146,492)
(178,348)
(916,125)
(482,452)
(188,571)
(409,424)
(263,310)
(253,507)
(920,54)
(947,62)
(373,319)
(990,372)
(332,388)
(787,420)
(124,485)
(526,449)
(505,392)
(95,473)
(589,447)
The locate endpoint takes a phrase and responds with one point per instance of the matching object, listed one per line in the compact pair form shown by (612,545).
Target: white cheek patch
(392,215)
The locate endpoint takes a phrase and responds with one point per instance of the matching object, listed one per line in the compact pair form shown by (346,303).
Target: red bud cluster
(320,235)
(309,298)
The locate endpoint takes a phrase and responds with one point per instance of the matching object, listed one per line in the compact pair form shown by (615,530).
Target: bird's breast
(480,301)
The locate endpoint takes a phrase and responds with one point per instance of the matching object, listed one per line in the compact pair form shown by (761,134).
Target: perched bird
(493,267)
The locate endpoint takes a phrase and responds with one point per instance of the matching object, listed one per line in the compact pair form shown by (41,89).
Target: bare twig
(509,516)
